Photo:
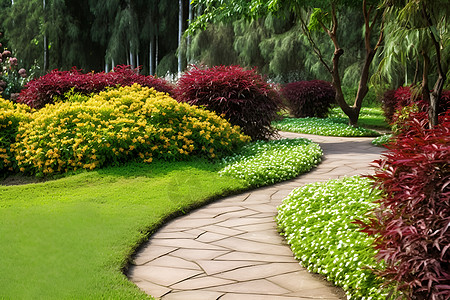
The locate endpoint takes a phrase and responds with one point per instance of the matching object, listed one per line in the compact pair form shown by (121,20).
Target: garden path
(230,249)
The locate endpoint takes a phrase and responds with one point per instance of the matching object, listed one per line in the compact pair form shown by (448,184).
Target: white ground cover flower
(262,163)
(316,220)
(328,127)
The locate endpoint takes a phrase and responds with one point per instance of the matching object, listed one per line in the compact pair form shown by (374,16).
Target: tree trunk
(156,49)
(416,72)
(180,33)
(46,55)
(191,16)
(435,96)
(151,56)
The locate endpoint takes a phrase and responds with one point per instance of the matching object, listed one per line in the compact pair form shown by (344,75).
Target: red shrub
(241,95)
(413,221)
(396,100)
(309,98)
(41,91)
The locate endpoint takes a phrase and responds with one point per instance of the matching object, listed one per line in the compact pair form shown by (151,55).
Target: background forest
(97,35)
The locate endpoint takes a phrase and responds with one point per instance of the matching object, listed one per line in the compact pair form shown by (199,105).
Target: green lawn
(371,121)
(70,238)
(369,117)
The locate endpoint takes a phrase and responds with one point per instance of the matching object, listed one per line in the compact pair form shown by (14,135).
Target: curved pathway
(230,249)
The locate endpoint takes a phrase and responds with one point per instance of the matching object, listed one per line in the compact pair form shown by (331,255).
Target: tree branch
(313,44)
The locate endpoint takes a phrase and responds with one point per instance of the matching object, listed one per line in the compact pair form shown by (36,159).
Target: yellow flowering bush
(118,125)
(10,116)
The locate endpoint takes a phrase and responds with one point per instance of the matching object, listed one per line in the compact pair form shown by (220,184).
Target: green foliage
(408,36)
(119,125)
(369,117)
(328,126)
(316,220)
(212,46)
(382,140)
(263,163)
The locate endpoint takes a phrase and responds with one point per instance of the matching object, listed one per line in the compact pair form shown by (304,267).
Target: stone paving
(231,249)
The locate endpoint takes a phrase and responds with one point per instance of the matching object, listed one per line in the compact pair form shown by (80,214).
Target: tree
(322,15)
(23,26)
(419,31)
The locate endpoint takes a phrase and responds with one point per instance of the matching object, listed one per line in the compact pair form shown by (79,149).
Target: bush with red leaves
(394,101)
(309,98)
(413,221)
(45,89)
(242,96)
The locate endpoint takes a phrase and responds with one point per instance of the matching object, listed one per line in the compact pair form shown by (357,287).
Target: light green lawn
(70,238)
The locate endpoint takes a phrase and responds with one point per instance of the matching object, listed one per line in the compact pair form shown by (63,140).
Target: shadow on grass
(125,170)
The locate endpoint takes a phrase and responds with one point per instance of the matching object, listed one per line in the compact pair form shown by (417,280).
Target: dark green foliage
(213,46)
(241,95)
(309,98)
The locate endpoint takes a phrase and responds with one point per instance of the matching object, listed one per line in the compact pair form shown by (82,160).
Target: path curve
(230,249)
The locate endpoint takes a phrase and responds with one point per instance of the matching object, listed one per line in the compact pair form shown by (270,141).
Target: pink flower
(6,53)
(13,61)
(23,73)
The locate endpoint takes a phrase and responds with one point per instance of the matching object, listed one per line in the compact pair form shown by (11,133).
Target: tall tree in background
(425,25)
(323,16)
(23,25)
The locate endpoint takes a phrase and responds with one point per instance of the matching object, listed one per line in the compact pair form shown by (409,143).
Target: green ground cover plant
(316,220)
(382,140)
(318,126)
(370,121)
(262,163)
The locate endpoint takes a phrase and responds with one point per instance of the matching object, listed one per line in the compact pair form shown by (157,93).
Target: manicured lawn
(70,238)
(369,117)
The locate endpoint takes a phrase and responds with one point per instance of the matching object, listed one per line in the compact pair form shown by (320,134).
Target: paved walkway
(230,249)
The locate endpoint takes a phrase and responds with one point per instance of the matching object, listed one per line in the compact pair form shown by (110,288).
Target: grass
(371,119)
(71,238)
(316,220)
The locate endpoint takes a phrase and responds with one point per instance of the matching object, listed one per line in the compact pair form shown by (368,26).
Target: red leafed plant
(412,224)
(43,90)
(395,100)
(309,98)
(242,96)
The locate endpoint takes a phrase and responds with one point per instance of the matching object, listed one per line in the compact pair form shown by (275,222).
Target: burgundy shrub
(43,90)
(309,98)
(393,101)
(412,224)
(242,96)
